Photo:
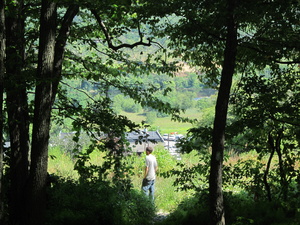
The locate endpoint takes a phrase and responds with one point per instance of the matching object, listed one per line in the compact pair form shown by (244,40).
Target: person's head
(149,150)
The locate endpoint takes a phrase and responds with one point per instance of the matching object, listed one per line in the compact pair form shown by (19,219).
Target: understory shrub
(74,203)
(192,211)
(240,209)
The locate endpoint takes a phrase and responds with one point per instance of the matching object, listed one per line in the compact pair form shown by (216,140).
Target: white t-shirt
(151,163)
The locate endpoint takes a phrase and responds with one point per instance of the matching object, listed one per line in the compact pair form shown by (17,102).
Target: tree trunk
(266,173)
(283,179)
(51,54)
(42,111)
(217,212)
(28,198)
(60,46)
(2,71)
(17,109)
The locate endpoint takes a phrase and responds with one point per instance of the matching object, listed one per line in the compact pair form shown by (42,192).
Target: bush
(151,117)
(72,203)
(240,209)
(164,159)
(192,211)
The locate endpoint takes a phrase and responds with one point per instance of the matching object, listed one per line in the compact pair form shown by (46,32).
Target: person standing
(148,185)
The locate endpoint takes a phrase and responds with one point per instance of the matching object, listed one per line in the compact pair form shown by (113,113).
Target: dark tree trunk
(42,110)
(2,71)
(17,109)
(266,173)
(51,53)
(283,179)
(27,187)
(217,212)
(60,46)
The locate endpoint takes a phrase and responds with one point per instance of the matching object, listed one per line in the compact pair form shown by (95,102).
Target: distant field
(166,125)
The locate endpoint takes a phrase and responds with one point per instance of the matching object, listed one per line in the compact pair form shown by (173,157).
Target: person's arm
(146,172)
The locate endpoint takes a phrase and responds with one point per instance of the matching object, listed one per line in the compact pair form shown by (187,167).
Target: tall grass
(167,197)
(61,164)
(186,207)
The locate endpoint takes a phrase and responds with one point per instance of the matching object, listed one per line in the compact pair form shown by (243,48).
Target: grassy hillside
(165,124)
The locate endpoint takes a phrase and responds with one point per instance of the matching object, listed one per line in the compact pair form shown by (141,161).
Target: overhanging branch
(109,38)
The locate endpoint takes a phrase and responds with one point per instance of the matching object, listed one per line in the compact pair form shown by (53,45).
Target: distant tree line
(185,91)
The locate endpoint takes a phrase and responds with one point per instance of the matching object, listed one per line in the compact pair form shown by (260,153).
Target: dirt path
(160,216)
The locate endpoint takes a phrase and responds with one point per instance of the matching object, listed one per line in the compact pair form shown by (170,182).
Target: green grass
(61,164)
(166,196)
(165,124)
(183,205)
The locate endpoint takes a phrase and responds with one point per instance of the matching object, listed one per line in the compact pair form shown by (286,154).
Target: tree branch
(109,38)
(79,90)
(285,120)
(60,45)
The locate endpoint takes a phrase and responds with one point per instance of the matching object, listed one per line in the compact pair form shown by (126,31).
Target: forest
(226,74)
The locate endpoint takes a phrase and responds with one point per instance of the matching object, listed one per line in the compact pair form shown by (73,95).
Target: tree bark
(17,109)
(217,212)
(60,46)
(266,173)
(42,110)
(2,71)
(51,54)
(283,179)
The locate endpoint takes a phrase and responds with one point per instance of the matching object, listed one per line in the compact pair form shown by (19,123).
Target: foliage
(192,177)
(165,161)
(191,211)
(206,102)
(125,104)
(64,142)
(267,106)
(114,168)
(93,55)
(249,175)
(246,200)
(240,209)
(61,164)
(167,198)
(181,97)
(273,95)
(96,203)
(150,117)
(241,205)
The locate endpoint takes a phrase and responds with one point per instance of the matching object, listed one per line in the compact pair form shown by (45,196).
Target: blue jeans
(148,188)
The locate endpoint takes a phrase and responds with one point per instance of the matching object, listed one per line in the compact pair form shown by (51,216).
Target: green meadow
(166,124)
